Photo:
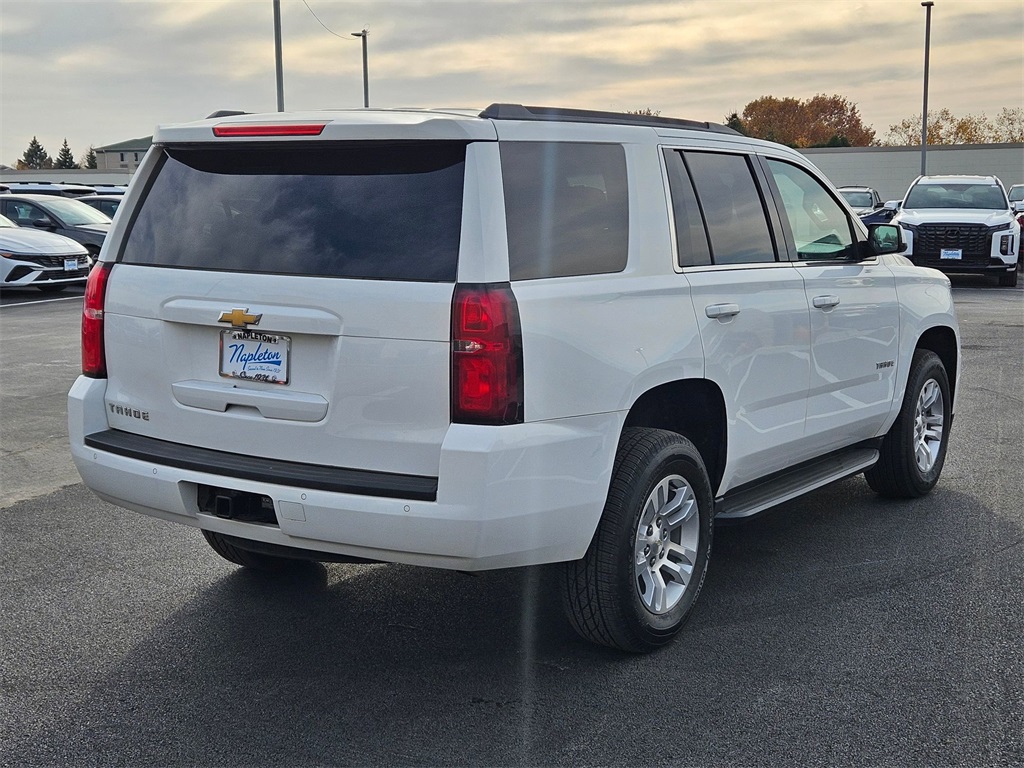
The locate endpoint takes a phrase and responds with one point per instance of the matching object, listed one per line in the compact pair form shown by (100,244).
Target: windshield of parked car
(986,196)
(5,222)
(1016,193)
(858,199)
(72,212)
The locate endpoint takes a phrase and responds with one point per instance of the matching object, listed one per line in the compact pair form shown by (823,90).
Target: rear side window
(566,208)
(733,209)
(369,210)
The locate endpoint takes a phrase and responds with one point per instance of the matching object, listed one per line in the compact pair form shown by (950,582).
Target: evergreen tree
(88,159)
(64,158)
(35,157)
(735,122)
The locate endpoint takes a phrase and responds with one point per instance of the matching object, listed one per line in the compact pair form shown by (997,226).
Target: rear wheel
(224,547)
(914,450)
(635,587)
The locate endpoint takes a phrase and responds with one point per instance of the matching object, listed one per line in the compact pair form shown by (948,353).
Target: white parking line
(42,301)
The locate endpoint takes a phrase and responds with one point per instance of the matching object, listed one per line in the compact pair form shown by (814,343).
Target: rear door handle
(721,310)
(825,302)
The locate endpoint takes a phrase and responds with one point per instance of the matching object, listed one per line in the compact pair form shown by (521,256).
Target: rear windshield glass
(378,211)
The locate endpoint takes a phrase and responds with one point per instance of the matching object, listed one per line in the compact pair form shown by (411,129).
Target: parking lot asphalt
(838,629)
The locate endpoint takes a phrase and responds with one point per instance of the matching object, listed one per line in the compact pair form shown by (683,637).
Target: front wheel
(1009,279)
(635,587)
(914,450)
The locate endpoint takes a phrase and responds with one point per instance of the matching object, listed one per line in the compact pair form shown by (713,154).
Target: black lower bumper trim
(311,476)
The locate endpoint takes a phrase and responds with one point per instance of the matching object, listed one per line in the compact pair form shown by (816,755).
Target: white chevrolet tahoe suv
(502,338)
(961,225)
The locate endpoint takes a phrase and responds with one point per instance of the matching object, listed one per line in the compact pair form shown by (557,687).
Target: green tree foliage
(821,121)
(64,158)
(944,127)
(35,157)
(735,122)
(646,112)
(88,159)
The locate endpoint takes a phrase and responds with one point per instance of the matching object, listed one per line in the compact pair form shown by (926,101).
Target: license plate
(254,356)
(951,253)
(70,265)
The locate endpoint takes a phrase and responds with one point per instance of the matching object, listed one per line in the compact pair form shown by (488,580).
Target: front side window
(25,214)
(566,208)
(388,211)
(733,209)
(820,227)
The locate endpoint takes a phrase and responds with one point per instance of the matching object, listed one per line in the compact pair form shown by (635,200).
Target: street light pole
(927,5)
(277,55)
(366,78)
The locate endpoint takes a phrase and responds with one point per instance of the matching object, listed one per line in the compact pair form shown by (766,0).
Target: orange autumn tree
(821,121)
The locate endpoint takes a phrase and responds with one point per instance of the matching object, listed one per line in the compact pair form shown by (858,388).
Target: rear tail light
(487,356)
(94,359)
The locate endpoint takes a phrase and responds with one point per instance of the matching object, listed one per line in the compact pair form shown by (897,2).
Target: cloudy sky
(102,71)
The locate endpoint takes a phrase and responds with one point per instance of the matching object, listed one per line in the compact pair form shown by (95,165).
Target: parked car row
(49,241)
(958,224)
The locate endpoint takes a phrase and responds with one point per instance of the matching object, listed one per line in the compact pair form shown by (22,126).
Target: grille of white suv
(972,239)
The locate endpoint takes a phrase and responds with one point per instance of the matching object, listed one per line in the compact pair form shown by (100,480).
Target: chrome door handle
(721,310)
(825,302)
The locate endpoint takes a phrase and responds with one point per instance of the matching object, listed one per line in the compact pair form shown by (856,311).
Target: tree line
(36,158)
(834,121)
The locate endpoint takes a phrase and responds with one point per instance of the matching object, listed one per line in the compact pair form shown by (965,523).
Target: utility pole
(277,55)
(366,77)
(927,5)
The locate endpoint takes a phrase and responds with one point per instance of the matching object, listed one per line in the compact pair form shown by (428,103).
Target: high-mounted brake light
(487,355)
(269,129)
(94,358)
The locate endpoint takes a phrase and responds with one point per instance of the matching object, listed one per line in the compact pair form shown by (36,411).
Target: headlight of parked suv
(1002,231)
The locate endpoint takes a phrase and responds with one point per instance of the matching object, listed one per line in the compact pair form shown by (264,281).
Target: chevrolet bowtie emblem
(239,318)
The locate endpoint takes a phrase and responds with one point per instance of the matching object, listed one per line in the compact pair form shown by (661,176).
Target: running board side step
(751,499)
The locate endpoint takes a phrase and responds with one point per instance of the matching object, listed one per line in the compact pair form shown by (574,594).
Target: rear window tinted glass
(732,207)
(379,211)
(566,208)
(691,237)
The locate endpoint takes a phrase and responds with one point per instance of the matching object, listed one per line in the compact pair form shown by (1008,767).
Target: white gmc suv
(502,338)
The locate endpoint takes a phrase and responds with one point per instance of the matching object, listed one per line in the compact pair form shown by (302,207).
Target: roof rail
(520,112)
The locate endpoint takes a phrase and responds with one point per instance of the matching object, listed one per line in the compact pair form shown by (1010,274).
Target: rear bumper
(505,496)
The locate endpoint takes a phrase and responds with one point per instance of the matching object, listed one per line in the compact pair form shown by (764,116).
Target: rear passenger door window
(566,208)
(722,190)
(819,226)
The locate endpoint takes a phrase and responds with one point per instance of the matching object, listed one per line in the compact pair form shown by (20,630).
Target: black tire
(910,463)
(605,594)
(223,546)
(52,288)
(1008,279)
